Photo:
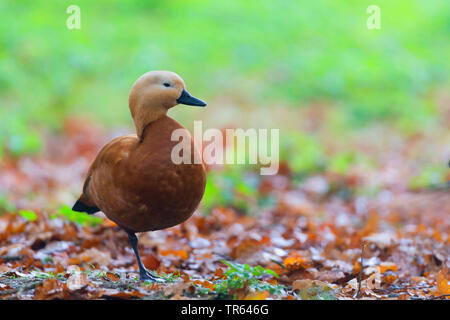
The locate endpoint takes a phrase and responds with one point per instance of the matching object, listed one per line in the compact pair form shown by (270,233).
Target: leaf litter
(305,245)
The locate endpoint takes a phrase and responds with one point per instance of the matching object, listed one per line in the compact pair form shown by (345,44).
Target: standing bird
(133,179)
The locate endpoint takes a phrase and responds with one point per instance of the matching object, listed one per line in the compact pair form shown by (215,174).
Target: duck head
(154,93)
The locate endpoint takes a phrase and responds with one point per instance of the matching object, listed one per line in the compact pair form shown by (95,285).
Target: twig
(363,245)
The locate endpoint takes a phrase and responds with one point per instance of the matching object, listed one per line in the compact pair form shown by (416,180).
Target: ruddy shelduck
(133,179)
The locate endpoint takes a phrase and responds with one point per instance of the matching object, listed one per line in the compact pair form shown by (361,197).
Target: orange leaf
(150,262)
(182,254)
(205,283)
(73,261)
(385,266)
(59,268)
(295,261)
(372,224)
(442,282)
(112,276)
(86,258)
(219,274)
(389,277)
(418,279)
(437,235)
(262,295)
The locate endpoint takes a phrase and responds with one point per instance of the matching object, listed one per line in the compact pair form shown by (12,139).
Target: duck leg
(144,274)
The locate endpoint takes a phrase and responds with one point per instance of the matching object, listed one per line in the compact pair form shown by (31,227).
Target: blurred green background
(253,52)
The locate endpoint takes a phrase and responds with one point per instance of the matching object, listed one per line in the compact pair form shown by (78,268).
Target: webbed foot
(145,275)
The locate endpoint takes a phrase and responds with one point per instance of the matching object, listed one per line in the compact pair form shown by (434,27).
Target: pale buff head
(153,94)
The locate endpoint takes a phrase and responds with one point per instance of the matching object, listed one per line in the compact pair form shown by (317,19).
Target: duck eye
(166,84)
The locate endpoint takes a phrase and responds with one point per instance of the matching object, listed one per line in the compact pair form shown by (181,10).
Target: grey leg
(144,274)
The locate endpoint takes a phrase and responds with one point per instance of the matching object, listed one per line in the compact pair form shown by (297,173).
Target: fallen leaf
(49,289)
(442,282)
(93,255)
(374,281)
(111,276)
(77,280)
(295,261)
(150,262)
(308,283)
(387,266)
(205,284)
(331,276)
(126,295)
(182,254)
(259,295)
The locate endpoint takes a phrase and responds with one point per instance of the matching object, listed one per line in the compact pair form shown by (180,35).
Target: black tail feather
(81,207)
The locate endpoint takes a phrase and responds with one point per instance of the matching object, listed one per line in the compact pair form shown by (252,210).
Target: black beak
(186,98)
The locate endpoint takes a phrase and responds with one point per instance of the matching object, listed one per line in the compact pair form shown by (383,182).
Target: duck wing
(100,171)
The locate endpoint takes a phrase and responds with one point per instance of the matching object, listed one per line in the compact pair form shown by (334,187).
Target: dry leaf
(306,284)
(386,266)
(49,289)
(182,254)
(77,280)
(259,295)
(373,282)
(93,255)
(442,282)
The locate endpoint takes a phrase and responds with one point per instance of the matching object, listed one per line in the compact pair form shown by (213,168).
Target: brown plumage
(133,179)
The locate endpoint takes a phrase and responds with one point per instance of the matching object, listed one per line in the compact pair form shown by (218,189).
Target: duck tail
(81,206)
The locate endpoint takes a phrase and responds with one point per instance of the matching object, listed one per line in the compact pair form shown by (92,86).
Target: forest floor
(307,244)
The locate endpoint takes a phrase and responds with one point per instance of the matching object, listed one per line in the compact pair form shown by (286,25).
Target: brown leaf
(151,262)
(126,295)
(331,276)
(372,224)
(248,246)
(111,276)
(308,283)
(50,289)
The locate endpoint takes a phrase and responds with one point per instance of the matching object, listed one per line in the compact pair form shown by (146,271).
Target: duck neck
(146,128)
(143,121)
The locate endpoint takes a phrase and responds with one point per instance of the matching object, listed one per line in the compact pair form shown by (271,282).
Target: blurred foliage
(6,205)
(431,176)
(231,187)
(80,218)
(261,52)
(28,215)
(341,162)
(303,152)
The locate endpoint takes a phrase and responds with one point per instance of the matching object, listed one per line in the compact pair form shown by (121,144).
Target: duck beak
(186,98)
